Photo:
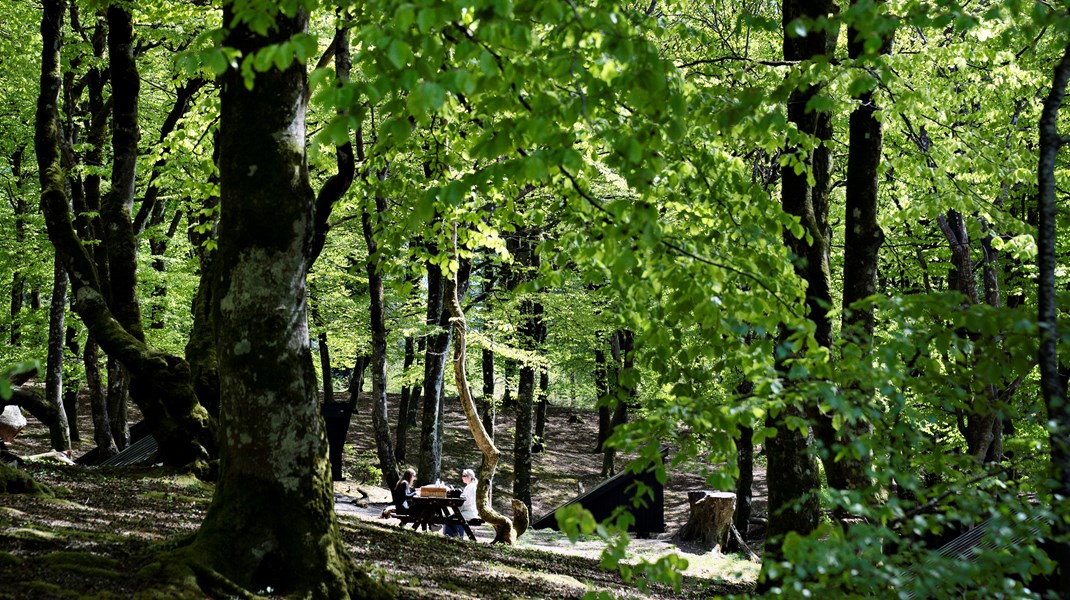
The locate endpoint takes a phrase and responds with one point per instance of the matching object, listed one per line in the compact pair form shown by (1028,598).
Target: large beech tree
(271,524)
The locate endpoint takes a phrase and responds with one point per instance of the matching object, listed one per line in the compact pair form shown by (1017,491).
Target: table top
(445,501)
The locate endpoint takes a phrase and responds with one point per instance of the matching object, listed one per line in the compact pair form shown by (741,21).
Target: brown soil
(107,523)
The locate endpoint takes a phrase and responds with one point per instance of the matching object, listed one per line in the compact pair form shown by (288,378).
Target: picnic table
(426,512)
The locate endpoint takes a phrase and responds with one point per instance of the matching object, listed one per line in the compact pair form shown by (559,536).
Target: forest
(814,239)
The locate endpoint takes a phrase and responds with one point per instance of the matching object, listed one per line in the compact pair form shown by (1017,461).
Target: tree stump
(710,521)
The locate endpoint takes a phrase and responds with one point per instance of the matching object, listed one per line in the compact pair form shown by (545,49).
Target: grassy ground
(105,524)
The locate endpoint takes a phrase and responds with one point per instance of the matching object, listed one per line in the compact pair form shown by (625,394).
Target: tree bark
(430,462)
(59,433)
(489,405)
(503,526)
(540,411)
(161,383)
(271,523)
(380,421)
(1052,386)
(793,478)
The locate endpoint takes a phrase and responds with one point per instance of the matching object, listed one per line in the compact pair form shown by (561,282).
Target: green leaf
(487,64)
(404,16)
(284,56)
(305,46)
(215,60)
(427,97)
(399,53)
(426,19)
(264,58)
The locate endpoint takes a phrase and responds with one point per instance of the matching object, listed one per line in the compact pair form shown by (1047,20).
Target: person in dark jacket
(403,491)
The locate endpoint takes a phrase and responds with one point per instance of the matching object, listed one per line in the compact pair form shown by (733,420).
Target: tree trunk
(522,436)
(1052,386)
(402,431)
(271,523)
(102,431)
(863,235)
(356,380)
(745,481)
(540,411)
(60,433)
(325,368)
(417,387)
(118,410)
(503,526)
(489,407)
(430,462)
(863,238)
(115,208)
(380,421)
(710,520)
(793,476)
(161,383)
(601,387)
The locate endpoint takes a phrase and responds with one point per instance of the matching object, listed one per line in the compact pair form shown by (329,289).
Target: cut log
(710,521)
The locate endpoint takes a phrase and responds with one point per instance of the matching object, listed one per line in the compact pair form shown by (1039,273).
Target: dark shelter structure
(616,491)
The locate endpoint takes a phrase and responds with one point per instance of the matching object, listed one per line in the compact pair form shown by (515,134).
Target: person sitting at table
(401,494)
(468,509)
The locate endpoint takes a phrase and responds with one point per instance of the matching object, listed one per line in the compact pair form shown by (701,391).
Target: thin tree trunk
(59,433)
(601,387)
(380,421)
(503,526)
(1052,386)
(522,436)
(745,481)
(417,388)
(430,462)
(489,405)
(102,432)
(118,407)
(404,409)
(325,368)
(18,279)
(540,411)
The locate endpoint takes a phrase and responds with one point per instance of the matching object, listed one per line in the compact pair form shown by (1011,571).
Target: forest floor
(107,522)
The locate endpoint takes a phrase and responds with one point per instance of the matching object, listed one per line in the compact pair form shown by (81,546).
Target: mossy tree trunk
(161,383)
(59,432)
(271,523)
